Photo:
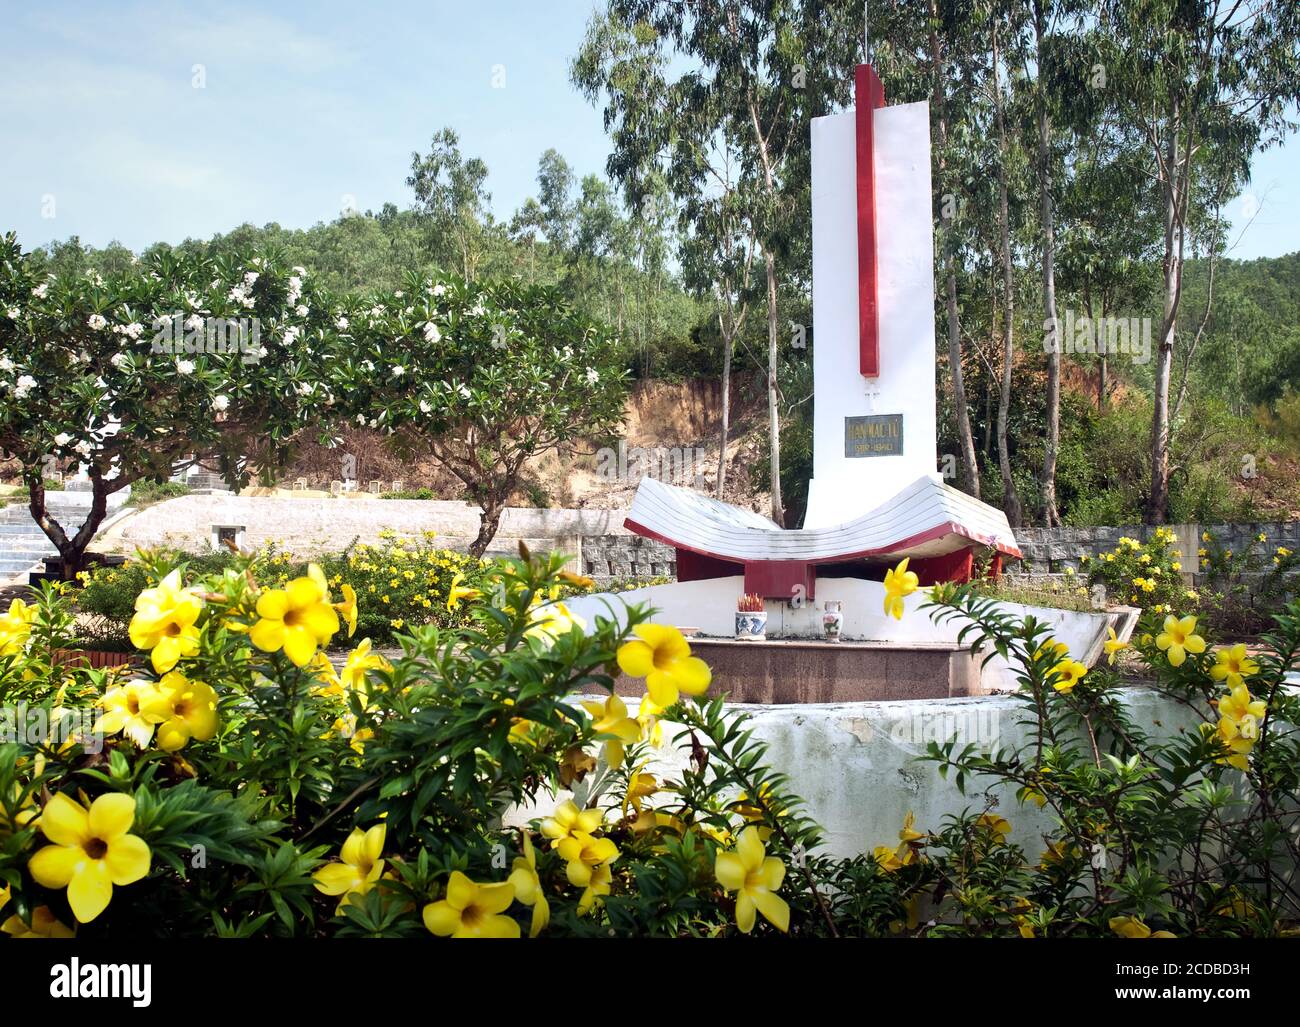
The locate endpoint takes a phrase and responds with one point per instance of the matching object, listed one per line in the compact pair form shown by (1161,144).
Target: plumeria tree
(173,360)
(484,376)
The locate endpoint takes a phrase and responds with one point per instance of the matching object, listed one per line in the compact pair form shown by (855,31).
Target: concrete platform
(781,671)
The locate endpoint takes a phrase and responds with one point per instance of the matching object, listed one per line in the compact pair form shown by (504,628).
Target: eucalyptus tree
(1221,73)
(1011,33)
(743,73)
(451,194)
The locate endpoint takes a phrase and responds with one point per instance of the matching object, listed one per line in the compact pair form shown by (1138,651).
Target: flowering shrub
(245,785)
(1144,574)
(1247,586)
(403,583)
(484,376)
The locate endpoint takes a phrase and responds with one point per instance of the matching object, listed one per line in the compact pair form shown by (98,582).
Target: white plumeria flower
(62,439)
(13,313)
(306,389)
(301,310)
(300,271)
(119,360)
(425,408)
(6,364)
(97,321)
(291,335)
(593,376)
(23,386)
(463,389)
(250,278)
(341,324)
(185,366)
(84,448)
(431,333)
(398,370)
(361,418)
(41,290)
(195,323)
(439,289)
(220,403)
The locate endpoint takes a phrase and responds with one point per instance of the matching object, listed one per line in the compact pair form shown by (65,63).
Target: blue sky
(306,107)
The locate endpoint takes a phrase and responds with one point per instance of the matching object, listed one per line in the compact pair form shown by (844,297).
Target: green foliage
(146,493)
(485,376)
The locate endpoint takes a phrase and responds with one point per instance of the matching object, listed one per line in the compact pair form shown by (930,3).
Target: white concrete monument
(876,495)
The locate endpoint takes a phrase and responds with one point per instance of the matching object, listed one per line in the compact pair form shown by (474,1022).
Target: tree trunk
(773,410)
(726,409)
(72,551)
(489,522)
(969,463)
(1158,504)
(1010,497)
(1051,517)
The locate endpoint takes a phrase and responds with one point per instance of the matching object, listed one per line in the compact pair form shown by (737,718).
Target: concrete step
(26,544)
(10,567)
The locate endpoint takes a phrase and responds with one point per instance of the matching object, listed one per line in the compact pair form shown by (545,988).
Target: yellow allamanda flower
(91,851)
(472,910)
(610,718)
(1050,649)
(164,622)
(911,841)
(582,854)
(1132,927)
(899,582)
(183,709)
(1000,827)
(662,656)
(1240,717)
(360,865)
(756,878)
(127,710)
(548,622)
(458,592)
(1233,665)
(347,609)
(528,887)
(297,619)
(647,718)
(640,785)
(1179,638)
(15,627)
(1113,646)
(360,662)
(568,821)
(1066,674)
(600,883)
(44,925)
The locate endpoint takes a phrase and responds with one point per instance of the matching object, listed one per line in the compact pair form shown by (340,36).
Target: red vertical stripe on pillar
(869,94)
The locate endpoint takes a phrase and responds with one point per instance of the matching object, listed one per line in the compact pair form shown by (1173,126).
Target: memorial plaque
(873,435)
